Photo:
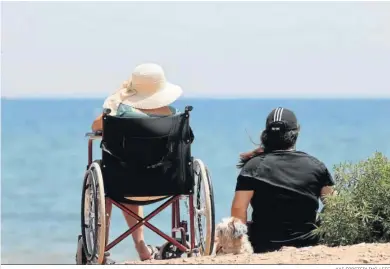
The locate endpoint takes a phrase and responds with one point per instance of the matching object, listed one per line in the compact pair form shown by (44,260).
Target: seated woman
(282,185)
(147,93)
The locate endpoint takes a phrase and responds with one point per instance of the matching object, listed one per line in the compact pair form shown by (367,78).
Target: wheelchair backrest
(147,156)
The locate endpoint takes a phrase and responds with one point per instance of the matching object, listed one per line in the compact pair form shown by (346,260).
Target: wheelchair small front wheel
(170,251)
(204,209)
(80,255)
(93,220)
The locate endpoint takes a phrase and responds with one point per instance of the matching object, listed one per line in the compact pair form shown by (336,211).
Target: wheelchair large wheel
(204,209)
(93,226)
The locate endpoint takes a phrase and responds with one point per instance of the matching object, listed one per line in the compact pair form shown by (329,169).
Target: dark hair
(272,141)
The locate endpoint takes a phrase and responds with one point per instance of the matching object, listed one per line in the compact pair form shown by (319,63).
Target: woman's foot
(145,252)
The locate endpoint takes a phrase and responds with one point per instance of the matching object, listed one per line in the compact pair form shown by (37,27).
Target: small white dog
(232,238)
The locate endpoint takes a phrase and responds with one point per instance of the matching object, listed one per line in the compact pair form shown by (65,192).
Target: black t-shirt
(287,186)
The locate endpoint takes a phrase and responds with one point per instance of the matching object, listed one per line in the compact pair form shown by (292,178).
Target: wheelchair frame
(178,225)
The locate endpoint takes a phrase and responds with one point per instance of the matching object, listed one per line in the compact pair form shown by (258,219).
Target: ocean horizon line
(75,98)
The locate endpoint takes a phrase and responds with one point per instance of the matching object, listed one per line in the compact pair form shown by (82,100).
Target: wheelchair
(144,161)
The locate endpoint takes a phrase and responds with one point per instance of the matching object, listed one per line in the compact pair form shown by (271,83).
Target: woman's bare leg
(138,235)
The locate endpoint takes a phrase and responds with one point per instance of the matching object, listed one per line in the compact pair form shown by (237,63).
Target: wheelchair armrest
(94,135)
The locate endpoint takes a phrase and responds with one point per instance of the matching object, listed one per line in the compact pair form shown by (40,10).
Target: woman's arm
(327,182)
(111,104)
(97,124)
(325,192)
(240,204)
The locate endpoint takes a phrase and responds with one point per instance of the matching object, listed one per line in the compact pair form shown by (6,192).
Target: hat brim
(163,97)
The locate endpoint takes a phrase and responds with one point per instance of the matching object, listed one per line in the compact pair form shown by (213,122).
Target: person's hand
(250,154)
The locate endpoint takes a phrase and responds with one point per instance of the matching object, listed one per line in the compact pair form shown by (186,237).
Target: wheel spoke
(89,243)
(201,211)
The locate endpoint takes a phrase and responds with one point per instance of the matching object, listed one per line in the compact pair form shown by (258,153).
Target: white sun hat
(146,89)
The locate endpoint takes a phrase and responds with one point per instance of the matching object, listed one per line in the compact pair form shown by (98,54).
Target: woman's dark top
(287,186)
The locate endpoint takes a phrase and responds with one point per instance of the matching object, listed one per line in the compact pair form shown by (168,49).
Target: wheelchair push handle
(188,109)
(106,111)
(94,134)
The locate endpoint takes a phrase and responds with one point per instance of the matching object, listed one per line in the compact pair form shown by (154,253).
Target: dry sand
(357,254)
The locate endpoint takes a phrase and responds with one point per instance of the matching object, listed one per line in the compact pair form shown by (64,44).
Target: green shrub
(360,212)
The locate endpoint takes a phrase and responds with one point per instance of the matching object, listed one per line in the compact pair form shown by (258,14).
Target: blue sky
(231,49)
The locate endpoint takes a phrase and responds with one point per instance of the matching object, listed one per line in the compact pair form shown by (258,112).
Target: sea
(44,157)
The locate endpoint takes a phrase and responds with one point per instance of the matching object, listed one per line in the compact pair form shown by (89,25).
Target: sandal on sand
(154,253)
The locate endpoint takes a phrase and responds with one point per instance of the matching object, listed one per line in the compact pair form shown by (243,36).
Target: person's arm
(97,124)
(327,191)
(240,205)
(242,197)
(110,104)
(327,183)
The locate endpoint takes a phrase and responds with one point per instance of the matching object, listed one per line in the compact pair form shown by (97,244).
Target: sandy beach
(356,254)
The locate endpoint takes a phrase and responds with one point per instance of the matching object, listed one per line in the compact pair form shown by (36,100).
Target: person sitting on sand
(282,185)
(146,93)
